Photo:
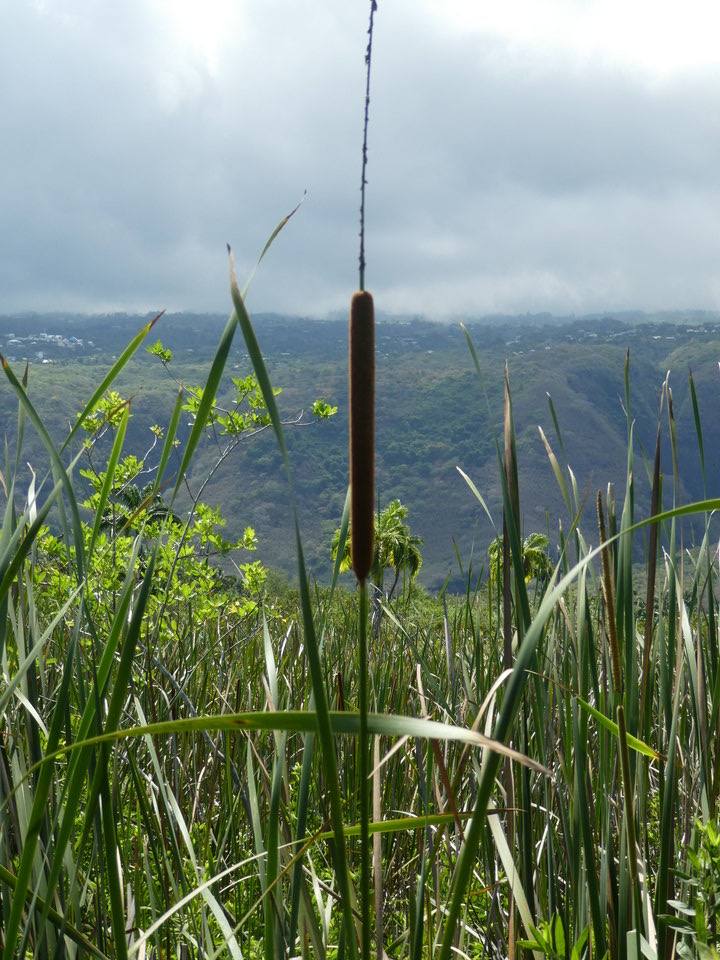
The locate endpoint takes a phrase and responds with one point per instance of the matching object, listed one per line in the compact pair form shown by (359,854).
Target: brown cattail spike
(362,433)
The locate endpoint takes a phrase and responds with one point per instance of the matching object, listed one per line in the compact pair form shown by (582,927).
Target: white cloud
(523,156)
(659,37)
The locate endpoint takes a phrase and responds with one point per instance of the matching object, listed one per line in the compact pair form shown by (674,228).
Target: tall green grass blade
(115,892)
(169,442)
(651,574)
(512,574)
(510,459)
(206,402)
(38,810)
(476,362)
(80,759)
(21,419)
(511,873)
(512,536)
(240,316)
(303,721)
(557,471)
(664,882)
(417,918)
(377,847)
(270,241)
(16,546)
(418,921)
(583,814)
(558,432)
(9,880)
(628,786)
(611,726)
(260,851)
(107,485)
(271,902)
(344,528)
(230,941)
(698,430)
(628,416)
(302,805)
(57,465)
(477,494)
(110,377)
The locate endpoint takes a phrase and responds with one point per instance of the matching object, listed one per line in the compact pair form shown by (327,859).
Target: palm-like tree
(396,548)
(132,503)
(537,565)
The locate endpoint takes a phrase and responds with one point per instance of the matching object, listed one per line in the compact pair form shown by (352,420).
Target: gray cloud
(500,179)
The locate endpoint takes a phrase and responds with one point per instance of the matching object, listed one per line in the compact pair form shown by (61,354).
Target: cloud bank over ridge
(550,156)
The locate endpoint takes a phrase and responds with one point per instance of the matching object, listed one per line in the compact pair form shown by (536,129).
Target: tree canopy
(396,548)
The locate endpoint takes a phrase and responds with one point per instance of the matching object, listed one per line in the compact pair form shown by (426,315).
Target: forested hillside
(434,413)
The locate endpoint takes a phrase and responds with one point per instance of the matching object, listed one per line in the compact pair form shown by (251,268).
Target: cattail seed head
(362,433)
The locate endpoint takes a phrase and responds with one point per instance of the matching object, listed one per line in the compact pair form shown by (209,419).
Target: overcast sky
(529,155)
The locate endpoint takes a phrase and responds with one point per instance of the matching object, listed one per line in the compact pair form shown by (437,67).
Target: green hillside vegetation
(432,416)
(181,750)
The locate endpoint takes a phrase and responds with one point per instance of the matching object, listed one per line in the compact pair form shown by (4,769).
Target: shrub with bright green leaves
(698,911)
(185,548)
(549,940)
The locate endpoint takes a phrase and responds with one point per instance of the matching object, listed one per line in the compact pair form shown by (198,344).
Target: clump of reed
(186,786)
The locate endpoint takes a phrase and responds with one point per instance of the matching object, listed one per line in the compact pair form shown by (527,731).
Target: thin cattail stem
(365,784)
(377,851)
(363,179)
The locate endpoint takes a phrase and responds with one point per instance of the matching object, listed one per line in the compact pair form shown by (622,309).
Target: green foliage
(107,412)
(323,410)
(159,351)
(183,552)
(537,565)
(396,548)
(421,434)
(699,910)
(232,422)
(549,938)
